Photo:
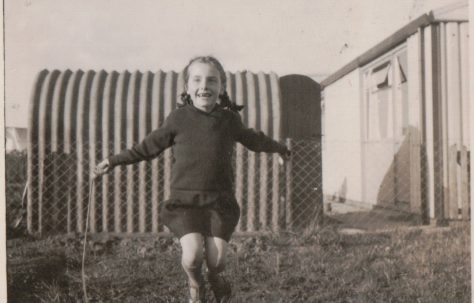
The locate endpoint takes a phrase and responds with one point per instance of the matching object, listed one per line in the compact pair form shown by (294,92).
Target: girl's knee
(216,266)
(191,264)
(192,259)
(215,262)
(192,247)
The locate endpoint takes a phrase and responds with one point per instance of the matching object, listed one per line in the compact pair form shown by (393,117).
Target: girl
(202,211)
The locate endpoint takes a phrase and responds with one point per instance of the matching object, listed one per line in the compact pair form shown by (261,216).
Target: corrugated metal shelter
(404,139)
(78,118)
(84,117)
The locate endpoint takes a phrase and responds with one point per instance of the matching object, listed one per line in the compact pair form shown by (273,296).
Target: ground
(325,264)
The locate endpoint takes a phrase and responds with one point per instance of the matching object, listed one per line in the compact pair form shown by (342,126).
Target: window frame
(389,59)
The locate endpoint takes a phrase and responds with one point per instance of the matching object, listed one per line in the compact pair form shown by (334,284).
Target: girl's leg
(192,258)
(216,249)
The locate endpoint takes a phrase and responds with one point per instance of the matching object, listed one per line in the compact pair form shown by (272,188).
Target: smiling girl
(201,211)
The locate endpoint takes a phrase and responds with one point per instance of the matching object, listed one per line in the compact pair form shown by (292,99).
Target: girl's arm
(257,141)
(153,144)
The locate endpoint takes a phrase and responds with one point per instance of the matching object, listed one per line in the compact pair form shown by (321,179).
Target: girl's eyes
(211,80)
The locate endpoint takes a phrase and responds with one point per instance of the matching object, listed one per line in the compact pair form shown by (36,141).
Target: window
(386,97)
(401,95)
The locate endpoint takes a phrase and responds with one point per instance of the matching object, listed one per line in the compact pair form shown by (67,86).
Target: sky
(284,36)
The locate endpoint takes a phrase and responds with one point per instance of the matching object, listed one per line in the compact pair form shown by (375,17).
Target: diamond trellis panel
(272,196)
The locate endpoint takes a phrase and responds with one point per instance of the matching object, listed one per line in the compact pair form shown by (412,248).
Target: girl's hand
(284,157)
(101,168)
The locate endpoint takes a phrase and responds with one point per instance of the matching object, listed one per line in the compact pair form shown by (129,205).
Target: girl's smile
(204,85)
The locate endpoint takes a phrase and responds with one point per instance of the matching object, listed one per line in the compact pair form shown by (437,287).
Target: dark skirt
(217,218)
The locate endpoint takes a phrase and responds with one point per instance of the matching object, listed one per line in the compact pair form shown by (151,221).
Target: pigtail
(185,100)
(227,103)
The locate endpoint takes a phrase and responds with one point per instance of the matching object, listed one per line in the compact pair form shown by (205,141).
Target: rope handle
(91,193)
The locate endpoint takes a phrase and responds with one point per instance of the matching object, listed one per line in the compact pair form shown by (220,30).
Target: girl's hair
(224,97)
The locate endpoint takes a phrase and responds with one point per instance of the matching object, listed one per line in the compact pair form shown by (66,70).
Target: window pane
(402,64)
(381,76)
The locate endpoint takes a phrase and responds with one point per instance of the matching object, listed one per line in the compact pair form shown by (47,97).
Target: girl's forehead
(203,68)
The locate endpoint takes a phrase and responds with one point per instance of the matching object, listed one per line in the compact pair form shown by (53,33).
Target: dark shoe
(221,288)
(197,294)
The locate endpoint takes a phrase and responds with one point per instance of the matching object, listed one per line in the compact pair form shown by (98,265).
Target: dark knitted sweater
(202,150)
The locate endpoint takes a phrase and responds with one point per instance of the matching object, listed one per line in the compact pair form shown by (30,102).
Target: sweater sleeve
(254,140)
(153,145)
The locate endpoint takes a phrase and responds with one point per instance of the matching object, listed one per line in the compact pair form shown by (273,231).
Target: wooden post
(156,107)
(168,96)
(81,184)
(142,132)
(275,194)
(252,160)
(167,107)
(239,154)
(289,189)
(251,191)
(121,90)
(130,141)
(94,145)
(106,141)
(265,127)
(276,123)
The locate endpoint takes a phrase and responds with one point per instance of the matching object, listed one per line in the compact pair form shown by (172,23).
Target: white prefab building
(395,121)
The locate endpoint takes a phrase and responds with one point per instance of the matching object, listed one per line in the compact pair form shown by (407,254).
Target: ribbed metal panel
(78,118)
(456,98)
(443,83)
(451,40)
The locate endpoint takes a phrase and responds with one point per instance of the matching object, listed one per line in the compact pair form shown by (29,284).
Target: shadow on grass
(374,220)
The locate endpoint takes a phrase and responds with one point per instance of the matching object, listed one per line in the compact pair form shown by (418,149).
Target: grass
(404,265)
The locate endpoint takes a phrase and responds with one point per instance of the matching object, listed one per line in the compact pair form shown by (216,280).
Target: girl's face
(204,85)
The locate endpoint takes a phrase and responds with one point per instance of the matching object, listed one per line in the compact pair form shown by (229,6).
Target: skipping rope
(84,287)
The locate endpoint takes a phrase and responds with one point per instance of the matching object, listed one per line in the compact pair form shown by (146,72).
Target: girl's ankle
(197,294)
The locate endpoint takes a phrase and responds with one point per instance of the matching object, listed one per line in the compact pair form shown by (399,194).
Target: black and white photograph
(237,151)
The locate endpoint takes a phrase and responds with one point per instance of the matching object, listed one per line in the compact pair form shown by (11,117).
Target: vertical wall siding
(79,118)
(430,163)
(415,110)
(452,48)
(465,101)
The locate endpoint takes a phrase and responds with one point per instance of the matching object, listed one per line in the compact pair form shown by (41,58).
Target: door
(386,148)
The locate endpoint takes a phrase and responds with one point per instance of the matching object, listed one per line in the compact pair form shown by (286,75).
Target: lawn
(409,264)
